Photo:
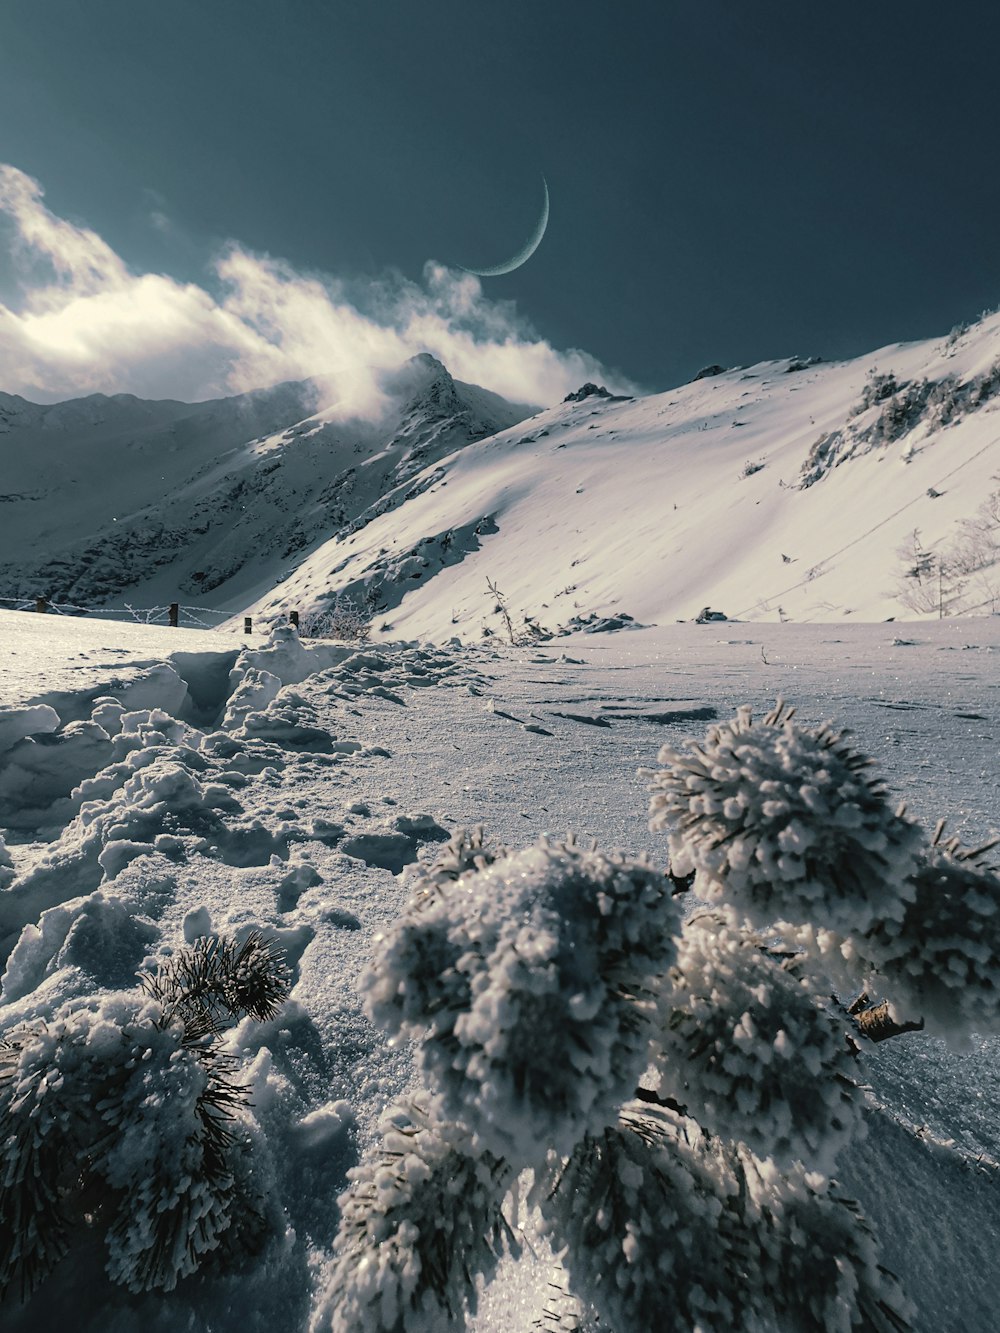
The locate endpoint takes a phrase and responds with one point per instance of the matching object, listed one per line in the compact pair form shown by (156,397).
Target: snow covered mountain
(106,497)
(790,490)
(787,490)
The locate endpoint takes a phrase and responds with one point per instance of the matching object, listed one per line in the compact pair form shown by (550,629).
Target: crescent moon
(526,250)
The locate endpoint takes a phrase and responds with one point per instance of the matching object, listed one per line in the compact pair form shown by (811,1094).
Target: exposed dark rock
(587,390)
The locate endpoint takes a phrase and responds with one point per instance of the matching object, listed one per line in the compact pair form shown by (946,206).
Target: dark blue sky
(728,181)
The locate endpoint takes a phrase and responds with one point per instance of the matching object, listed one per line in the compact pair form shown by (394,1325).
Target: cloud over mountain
(84,321)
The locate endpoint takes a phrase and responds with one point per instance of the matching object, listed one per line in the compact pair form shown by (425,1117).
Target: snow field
(320,778)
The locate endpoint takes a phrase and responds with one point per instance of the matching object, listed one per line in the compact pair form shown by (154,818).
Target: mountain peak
(418,377)
(423,384)
(426,361)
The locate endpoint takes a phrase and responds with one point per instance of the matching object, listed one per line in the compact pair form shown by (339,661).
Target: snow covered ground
(157,785)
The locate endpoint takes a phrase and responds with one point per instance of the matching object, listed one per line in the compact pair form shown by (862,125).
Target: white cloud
(81,262)
(86,323)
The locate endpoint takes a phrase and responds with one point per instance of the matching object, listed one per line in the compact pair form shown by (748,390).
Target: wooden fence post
(41,604)
(173,615)
(247,624)
(293,616)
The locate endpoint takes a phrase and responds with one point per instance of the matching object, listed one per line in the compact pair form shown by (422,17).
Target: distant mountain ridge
(105,497)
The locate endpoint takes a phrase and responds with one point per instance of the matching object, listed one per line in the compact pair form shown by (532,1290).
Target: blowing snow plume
(82,321)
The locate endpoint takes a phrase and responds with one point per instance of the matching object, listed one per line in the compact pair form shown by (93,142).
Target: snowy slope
(106,498)
(788,490)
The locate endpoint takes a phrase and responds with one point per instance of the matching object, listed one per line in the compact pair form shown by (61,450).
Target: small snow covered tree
(123,1112)
(678,1087)
(785,827)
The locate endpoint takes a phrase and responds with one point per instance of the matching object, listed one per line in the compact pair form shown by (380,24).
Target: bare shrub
(345,619)
(960,576)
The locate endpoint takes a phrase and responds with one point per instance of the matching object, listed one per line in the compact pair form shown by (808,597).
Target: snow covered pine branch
(125,1113)
(785,828)
(679,1089)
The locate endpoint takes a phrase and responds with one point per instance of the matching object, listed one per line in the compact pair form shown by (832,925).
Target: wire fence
(173,614)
